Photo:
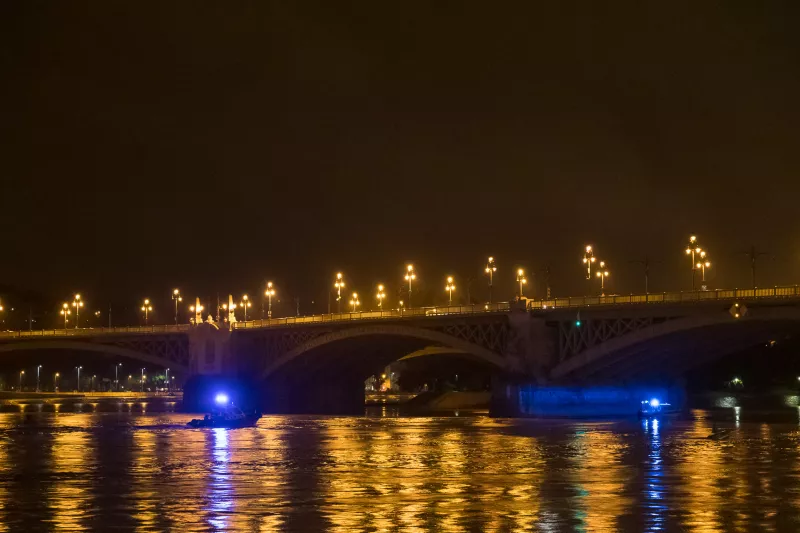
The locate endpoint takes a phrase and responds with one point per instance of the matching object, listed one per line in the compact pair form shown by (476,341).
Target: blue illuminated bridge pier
(545,356)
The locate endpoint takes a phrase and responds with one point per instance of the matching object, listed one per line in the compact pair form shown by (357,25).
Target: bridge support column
(213,371)
(510,399)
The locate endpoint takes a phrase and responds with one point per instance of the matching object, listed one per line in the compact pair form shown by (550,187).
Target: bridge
(318,363)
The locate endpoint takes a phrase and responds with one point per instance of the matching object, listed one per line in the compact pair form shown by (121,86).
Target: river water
(147,472)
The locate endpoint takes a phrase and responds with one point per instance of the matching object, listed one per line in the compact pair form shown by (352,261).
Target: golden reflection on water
(600,478)
(145,470)
(5,472)
(701,470)
(69,497)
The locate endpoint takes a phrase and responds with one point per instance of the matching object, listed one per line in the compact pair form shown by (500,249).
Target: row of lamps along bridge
(699,261)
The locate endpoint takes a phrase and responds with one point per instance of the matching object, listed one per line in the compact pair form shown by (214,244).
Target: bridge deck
(790,292)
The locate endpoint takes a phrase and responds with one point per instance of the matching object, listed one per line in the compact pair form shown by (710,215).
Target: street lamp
(91,386)
(410,276)
(78,369)
(244,304)
(55,381)
(269,293)
(588,260)
(176,296)
(693,249)
(354,301)
(490,269)
(21,373)
(38,370)
(168,388)
(146,308)
(116,375)
(143,378)
(602,274)
(65,312)
(77,304)
(450,287)
(380,296)
(522,280)
(702,265)
(401,306)
(339,284)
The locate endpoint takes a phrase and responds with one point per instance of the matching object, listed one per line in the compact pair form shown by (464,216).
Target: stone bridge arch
(173,359)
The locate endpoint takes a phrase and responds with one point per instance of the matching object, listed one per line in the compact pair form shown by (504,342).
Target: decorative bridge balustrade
(789,292)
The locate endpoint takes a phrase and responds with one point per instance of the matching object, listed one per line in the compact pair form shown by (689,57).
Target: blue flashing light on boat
(654,402)
(221,399)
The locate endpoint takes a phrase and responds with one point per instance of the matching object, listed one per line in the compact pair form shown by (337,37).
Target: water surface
(146,472)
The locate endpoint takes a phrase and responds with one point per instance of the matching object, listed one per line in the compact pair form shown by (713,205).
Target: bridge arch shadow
(671,349)
(107,350)
(327,373)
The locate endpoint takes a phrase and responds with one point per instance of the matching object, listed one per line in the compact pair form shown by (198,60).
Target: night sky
(212,146)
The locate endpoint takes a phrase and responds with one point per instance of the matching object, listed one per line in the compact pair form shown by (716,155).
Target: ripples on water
(133,472)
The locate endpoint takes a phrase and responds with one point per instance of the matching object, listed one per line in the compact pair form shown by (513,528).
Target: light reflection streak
(655,506)
(700,470)
(601,478)
(221,491)
(145,470)
(68,496)
(5,471)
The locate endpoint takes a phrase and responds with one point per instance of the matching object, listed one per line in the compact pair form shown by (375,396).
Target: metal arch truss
(174,348)
(492,335)
(275,343)
(574,339)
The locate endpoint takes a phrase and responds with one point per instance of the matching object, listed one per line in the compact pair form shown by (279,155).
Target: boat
(654,408)
(226,416)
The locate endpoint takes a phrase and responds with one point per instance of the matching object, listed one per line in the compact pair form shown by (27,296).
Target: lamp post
(354,301)
(176,297)
(77,303)
(244,304)
(91,385)
(339,284)
(143,378)
(21,373)
(602,274)
(450,287)
(380,296)
(410,276)
(490,269)
(588,260)
(146,308)
(400,306)
(702,265)
(55,381)
(693,249)
(65,312)
(38,370)
(269,293)
(168,388)
(116,375)
(522,280)
(78,370)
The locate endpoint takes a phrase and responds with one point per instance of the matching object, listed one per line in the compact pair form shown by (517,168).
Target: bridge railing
(791,291)
(93,332)
(377,315)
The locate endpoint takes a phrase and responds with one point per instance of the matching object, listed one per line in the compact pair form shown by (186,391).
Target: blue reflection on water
(655,507)
(221,491)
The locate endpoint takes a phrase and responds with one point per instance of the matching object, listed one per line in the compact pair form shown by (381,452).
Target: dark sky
(212,146)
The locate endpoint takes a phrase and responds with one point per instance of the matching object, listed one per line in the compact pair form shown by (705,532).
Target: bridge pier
(535,400)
